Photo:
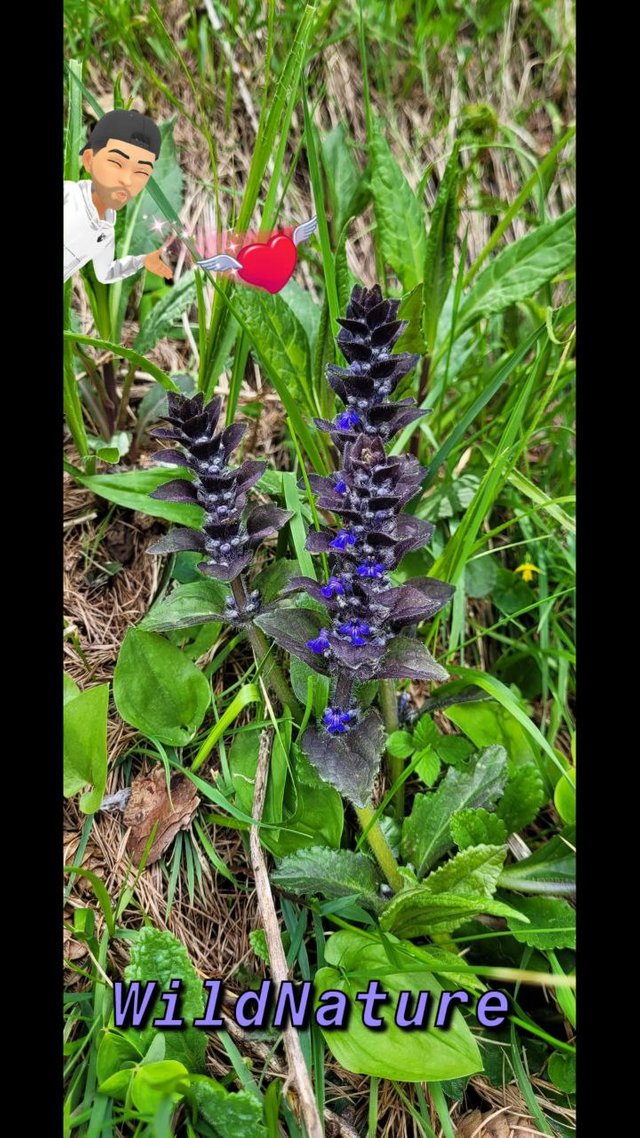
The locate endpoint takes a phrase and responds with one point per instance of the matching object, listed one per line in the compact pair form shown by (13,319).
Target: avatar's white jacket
(89,238)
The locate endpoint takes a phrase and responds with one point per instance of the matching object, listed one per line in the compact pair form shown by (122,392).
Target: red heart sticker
(269,265)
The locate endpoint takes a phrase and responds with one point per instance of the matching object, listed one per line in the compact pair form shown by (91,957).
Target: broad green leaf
(427,765)
(132,488)
(564,797)
(399,219)
(480,577)
(85,743)
(299,674)
(343,173)
(280,342)
(272,580)
(400,744)
(352,960)
(426,733)
(70,688)
(329,873)
(552,922)
(443,228)
(313,809)
(477,827)
(157,955)
(229,1113)
(473,872)
(243,763)
(562,1072)
(486,722)
(411,309)
(420,912)
(158,690)
(426,833)
(168,178)
(165,313)
(154,1082)
(188,605)
(306,311)
(550,869)
(523,796)
(520,269)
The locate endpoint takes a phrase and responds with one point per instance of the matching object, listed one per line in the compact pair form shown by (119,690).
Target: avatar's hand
(155,265)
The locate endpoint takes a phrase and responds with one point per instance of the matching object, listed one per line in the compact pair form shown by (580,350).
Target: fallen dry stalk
(298,1072)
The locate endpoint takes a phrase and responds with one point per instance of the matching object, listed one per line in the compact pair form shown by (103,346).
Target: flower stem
(273,675)
(395,765)
(380,847)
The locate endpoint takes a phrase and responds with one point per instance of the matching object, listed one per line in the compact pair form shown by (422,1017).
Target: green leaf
(127,354)
(477,827)
(426,833)
(551,869)
(428,765)
(454,749)
(158,690)
(227,1112)
(132,488)
(329,873)
(278,338)
(552,921)
(486,722)
(522,798)
(168,177)
(400,744)
(353,959)
(85,743)
(520,269)
(163,316)
(399,219)
(272,580)
(154,1082)
(187,606)
(420,912)
(299,674)
(426,733)
(157,955)
(304,308)
(243,763)
(473,872)
(343,174)
(443,228)
(562,1072)
(564,797)
(117,1085)
(411,309)
(480,576)
(312,808)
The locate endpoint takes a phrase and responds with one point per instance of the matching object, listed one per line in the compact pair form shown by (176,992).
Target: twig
(277,959)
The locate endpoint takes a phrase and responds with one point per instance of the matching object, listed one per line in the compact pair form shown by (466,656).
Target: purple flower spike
(371,569)
(342,539)
(333,588)
(357,631)
(340,487)
(321,642)
(337,721)
(347,419)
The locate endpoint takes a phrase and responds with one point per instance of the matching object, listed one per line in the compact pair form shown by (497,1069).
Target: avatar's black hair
(126,126)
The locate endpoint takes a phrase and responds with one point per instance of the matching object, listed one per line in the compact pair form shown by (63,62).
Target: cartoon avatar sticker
(267,265)
(119,155)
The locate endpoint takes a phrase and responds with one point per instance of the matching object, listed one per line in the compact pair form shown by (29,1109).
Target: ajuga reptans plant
(364,635)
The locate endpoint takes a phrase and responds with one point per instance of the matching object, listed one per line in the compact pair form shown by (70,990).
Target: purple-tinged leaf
(178,490)
(407,659)
(292,629)
(349,762)
(179,541)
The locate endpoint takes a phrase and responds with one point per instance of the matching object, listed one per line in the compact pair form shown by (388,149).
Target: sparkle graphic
(158,225)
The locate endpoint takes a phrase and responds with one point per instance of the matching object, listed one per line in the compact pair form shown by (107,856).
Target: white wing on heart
(305,230)
(220,264)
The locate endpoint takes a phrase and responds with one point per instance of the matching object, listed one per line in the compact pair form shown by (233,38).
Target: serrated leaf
(421,912)
(198,602)
(426,833)
(401,231)
(400,744)
(85,743)
(354,958)
(163,316)
(426,733)
(551,869)
(473,872)
(329,873)
(157,955)
(454,749)
(237,1112)
(520,269)
(291,629)
(552,922)
(477,827)
(522,798)
(157,689)
(428,765)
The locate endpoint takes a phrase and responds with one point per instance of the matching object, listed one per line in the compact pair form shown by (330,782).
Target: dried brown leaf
(479,1125)
(150,804)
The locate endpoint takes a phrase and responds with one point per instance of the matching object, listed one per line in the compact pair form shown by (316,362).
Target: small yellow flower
(527,569)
